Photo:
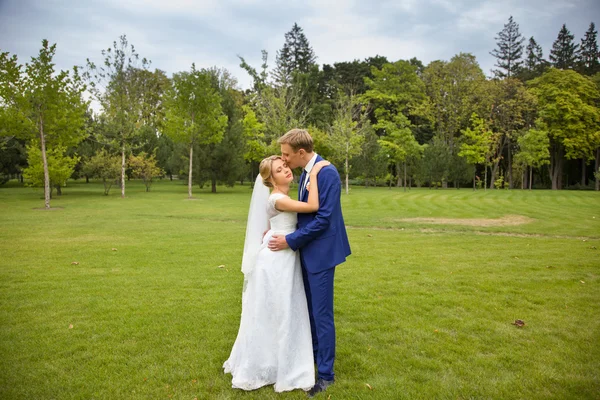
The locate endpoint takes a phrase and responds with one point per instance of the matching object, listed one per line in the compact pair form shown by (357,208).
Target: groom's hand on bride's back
(277,243)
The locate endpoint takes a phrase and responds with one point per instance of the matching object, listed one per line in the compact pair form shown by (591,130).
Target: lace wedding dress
(274,344)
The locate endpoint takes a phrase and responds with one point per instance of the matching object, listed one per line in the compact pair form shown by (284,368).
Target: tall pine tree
(534,60)
(295,56)
(564,51)
(509,51)
(588,56)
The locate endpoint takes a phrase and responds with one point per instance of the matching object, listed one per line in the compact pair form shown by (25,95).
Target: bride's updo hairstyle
(265,170)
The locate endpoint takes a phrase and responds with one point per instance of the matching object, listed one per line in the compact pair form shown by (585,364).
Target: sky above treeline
(173,34)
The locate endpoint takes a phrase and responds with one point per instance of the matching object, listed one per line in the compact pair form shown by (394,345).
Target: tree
(394,88)
(509,51)
(588,62)
(476,144)
(223,161)
(567,103)
(58,167)
(256,147)
(41,105)
(398,143)
(564,51)
(454,91)
(105,166)
(371,163)
(534,150)
(510,113)
(144,167)
(534,64)
(296,55)
(347,135)
(124,89)
(194,114)
(13,158)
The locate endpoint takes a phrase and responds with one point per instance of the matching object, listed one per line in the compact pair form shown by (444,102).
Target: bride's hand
(318,166)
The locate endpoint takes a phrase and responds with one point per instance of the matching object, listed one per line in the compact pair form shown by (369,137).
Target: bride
(274,344)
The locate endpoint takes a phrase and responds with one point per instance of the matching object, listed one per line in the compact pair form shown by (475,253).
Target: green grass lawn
(423,308)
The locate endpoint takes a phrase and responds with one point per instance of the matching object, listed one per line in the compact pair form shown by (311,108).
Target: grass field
(424,305)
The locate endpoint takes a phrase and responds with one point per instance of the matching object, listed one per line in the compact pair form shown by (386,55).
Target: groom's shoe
(320,386)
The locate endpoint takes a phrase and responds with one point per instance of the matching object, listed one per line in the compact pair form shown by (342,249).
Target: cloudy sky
(175,33)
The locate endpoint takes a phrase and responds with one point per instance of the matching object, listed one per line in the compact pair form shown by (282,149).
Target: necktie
(303,187)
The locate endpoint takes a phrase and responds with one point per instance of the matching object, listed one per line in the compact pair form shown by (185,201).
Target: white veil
(258,223)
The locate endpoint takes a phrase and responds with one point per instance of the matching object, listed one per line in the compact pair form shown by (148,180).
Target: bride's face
(281,173)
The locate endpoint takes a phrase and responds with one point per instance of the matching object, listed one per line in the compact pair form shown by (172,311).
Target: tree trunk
(346,171)
(214,185)
(510,179)
(555,170)
(597,169)
(485,178)
(493,176)
(583,183)
(190,171)
(123,172)
(530,177)
(405,176)
(45,163)
(58,190)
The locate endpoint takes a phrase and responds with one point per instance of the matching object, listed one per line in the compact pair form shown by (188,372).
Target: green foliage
(194,113)
(567,106)
(256,148)
(395,88)
(105,166)
(144,166)
(60,166)
(534,147)
(476,142)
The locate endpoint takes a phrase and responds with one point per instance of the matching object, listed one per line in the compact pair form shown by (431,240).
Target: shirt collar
(311,163)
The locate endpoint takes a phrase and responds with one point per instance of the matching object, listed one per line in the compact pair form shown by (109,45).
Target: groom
(323,243)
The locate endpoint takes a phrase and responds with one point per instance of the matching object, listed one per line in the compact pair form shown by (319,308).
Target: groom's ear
(301,153)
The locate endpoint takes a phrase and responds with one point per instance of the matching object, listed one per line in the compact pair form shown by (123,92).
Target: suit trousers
(319,295)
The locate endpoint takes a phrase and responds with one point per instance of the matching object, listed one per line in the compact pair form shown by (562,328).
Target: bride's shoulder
(276,196)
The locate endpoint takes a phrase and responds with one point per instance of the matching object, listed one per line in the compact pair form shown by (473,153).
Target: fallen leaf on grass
(592,247)
(369,386)
(519,323)
(370,235)
(582,281)
(74,263)
(113,249)
(436,330)
(70,326)
(221,266)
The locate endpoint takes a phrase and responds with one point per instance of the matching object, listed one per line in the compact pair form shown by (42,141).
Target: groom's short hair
(297,139)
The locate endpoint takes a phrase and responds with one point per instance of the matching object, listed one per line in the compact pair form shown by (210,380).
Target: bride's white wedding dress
(274,344)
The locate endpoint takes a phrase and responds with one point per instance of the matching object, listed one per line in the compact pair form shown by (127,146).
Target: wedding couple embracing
(287,326)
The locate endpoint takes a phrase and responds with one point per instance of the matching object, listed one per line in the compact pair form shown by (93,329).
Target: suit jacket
(321,236)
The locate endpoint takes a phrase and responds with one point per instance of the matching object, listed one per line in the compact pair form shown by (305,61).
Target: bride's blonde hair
(266,170)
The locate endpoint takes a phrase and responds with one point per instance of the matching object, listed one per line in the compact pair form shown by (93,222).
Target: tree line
(534,122)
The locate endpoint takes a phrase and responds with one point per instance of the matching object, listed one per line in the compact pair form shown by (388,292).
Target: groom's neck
(307,157)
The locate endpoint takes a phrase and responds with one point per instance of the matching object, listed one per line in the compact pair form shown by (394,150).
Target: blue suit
(323,243)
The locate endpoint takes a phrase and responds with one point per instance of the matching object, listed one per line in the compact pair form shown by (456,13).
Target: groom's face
(290,157)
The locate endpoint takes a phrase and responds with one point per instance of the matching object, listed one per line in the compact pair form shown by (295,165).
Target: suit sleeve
(329,196)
